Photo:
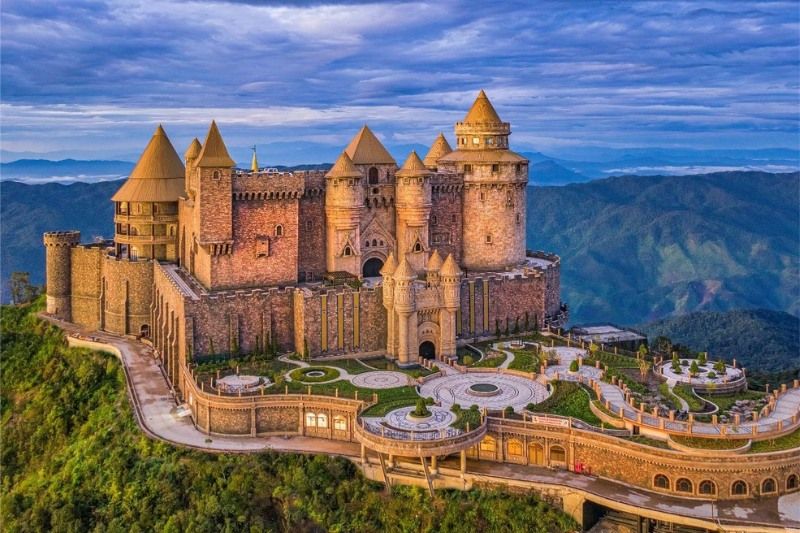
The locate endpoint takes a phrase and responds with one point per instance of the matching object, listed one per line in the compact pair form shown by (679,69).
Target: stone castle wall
(494,228)
(446,222)
(127,295)
(87,275)
(58,253)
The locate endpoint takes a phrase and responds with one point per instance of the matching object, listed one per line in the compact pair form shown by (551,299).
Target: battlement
(445,182)
(62,238)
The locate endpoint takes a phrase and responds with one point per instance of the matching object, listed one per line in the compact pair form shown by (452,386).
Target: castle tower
(344,198)
(190,159)
(58,259)
(378,168)
(146,206)
(413,211)
(495,182)
(404,307)
(439,149)
(433,267)
(450,276)
(214,176)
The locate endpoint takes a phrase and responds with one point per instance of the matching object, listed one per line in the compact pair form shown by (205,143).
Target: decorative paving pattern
(440,418)
(381,379)
(514,391)
(234,383)
(731,374)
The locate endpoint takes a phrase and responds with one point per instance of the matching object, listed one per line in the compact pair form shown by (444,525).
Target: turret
(343,202)
(387,272)
(495,183)
(439,149)
(404,278)
(450,276)
(433,267)
(146,206)
(214,174)
(58,261)
(413,211)
(190,159)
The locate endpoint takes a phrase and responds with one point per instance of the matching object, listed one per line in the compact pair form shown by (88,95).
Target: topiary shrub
(468,360)
(573,366)
(420,411)
(508,411)
(429,401)
(712,374)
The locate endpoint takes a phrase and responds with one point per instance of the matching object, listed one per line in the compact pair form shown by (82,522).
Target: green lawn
(787,442)
(684,391)
(350,365)
(568,399)
(305,374)
(670,398)
(726,401)
(648,441)
(493,362)
(525,360)
(708,444)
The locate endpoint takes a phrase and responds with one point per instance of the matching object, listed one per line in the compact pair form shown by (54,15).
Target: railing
(415,443)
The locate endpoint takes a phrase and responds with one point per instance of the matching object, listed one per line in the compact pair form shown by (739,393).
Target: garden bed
(568,399)
(314,374)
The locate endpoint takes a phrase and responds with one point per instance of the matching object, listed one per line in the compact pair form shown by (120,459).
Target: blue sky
(92,78)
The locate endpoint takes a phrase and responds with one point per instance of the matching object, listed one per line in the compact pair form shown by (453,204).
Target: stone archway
(427,350)
(372,268)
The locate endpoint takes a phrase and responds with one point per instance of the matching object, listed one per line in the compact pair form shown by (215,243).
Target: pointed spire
(435,262)
(482,111)
(450,268)
(389,266)
(157,176)
(413,167)
(343,168)
(439,149)
(404,271)
(366,149)
(193,151)
(254,161)
(215,153)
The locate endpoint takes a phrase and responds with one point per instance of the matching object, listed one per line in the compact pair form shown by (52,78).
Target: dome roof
(157,176)
(482,111)
(343,168)
(214,152)
(439,148)
(435,262)
(413,167)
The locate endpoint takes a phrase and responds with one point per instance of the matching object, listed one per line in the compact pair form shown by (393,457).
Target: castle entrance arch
(427,350)
(372,268)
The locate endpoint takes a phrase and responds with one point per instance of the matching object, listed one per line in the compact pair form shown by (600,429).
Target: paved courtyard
(380,379)
(440,418)
(511,390)
(731,374)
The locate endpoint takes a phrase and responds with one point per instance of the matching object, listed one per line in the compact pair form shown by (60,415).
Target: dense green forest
(640,248)
(766,342)
(73,459)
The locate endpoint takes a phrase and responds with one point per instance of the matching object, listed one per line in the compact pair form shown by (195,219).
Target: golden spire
(254,161)
(193,151)
(366,149)
(413,167)
(482,111)
(215,153)
(343,168)
(157,176)
(404,272)
(450,268)
(439,149)
(389,266)
(435,262)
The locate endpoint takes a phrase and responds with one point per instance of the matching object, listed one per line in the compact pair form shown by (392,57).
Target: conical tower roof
(343,168)
(404,271)
(254,161)
(366,149)
(194,150)
(482,110)
(215,153)
(157,176)
(439,149)
(450,268)
(390,266)
(413,166)
(435,262)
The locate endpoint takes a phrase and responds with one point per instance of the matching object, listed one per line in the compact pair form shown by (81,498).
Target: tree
(644,368)
(701,356)
(694,369)
(593,349)
(573,366)
(468,360)
(719,366)
(642,353)
(21,289)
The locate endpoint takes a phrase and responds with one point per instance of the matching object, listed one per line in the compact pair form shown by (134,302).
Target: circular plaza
(489,390)
(380,379)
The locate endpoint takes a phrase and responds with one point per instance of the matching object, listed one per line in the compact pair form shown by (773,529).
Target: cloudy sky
(92,78)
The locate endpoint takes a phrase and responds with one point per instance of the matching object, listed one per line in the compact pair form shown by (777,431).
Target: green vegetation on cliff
(73,459)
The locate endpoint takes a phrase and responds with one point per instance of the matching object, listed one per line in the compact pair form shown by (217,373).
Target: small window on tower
(373,176)
(519,219)
(490,141)
(467,168)
(495,168)
(417,247)
(483,195)
(279,230)
(215,175)
(347,251)
(309,225)
(489,239)
(434,220)
(476,141)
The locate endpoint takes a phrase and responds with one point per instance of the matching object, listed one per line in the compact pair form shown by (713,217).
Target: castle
(368,258)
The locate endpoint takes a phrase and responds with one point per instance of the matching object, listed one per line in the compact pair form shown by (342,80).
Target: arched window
(536,454)
(768,486)
(373,176)
(488,239)
(374,242)
(417,247)
(348,251)
(514,447)
(519,218)
(739,488)
(311,420)
(792,482)
(434,220)
(707,487)
(558,454)
(279,230)
(339,423)
(366,244)
(216,175)
(661,482)
(683,485)
(322,420)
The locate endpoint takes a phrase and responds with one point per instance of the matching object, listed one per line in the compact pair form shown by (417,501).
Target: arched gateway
(427,350)
(372,268)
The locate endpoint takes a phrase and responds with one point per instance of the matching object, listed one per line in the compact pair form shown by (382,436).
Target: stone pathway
(381,379)
(515,391)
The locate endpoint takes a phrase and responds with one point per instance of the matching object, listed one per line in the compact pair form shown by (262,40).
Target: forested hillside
(761,340)
(73,459)
(636,249)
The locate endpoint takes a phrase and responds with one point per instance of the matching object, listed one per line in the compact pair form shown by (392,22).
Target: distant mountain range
(636,249)
(760,340)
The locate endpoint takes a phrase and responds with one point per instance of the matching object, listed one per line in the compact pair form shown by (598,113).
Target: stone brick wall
(127,295)
(278,420)
(58,245)
(494,225)
(87,262)
(446,222)
(311,252)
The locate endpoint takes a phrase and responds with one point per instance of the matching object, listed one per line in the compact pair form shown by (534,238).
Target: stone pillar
(402,337)
(463,462)
(434,466)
